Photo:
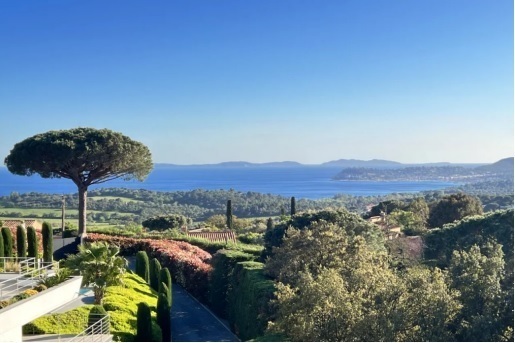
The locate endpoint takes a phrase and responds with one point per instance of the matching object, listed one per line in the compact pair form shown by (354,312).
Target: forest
(120,205)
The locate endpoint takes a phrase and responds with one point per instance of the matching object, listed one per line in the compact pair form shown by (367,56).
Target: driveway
(192,322)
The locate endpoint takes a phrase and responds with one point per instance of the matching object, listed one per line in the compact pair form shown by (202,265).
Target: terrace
(20,274)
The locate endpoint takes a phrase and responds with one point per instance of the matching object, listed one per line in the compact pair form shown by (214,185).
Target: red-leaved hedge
(188,264)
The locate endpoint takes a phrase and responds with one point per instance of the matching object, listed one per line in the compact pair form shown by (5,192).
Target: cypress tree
(143,323)
(8,242)
(1,249)
(32,242)
(163,316)
(269,224)
(142,265)
(163,288)
(166,279)
(48,241)
(155,268)
(229,214)
(21,241)
(293,209)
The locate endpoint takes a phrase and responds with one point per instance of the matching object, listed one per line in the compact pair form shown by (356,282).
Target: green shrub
(8,242)
(142,265)
(40,288)
(121,302)
(71,322)
(47,234)
(163,289)
(155,268)
(144,322)
(32,242)
(95,314)
(1,249)
(21,241)
(247,300)
(166,279)
(223,264)
(163,316)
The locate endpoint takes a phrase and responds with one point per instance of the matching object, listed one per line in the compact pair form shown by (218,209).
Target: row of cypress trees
(160,280)
(26,242)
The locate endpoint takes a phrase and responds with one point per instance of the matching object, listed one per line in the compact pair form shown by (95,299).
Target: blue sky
(206,81)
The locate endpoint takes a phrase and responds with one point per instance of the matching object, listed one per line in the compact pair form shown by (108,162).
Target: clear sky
(206,81)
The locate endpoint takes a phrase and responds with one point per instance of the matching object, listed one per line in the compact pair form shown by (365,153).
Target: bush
(8,242)
(163,316)
(155,268)
(95,314)
(165,284)
(142,266)
(71,322)
(121,302)
(47,234)
(144,323)
(247,300)
(188,265)
(32,242)
(173,221)
(223,263)
(40,288)
(21,241)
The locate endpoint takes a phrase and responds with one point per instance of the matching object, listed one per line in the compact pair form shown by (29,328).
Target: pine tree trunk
(83,194)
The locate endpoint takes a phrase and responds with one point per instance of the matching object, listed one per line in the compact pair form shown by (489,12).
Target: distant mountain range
(342,163)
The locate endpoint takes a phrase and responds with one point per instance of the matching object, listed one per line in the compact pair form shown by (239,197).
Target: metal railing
(16,264)
(27,279)
(96,332)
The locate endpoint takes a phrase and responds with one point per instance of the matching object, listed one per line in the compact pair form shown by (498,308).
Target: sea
(310,182)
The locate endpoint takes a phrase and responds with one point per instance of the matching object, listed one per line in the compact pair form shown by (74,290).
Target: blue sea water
(302,182)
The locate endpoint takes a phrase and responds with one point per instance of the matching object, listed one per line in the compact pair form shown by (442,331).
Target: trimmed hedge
(163,316)
(32,242)
(71,322)
(142,266)
(248,298)
(8,242)
(48,241)
(165,284)
(155,268)
(188,264)
(21,241)
(223,263)
(121,302)
(143,323)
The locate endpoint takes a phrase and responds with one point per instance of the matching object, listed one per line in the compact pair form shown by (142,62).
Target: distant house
(216,236)
(13,224)
(390,231)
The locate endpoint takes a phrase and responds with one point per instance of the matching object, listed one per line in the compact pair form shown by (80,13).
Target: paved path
(192,322)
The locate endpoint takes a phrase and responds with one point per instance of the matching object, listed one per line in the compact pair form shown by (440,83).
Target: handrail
(97,332)
(34,274)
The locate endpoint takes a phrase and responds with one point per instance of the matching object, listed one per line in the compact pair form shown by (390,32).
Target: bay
(311,182)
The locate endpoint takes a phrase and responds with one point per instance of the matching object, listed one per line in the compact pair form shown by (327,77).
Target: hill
(502,166)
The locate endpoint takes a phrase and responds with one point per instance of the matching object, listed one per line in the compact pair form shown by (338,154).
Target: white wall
(14,316)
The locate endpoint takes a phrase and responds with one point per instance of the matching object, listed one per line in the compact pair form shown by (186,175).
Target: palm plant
(99,266)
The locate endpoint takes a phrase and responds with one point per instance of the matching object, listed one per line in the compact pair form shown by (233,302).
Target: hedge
(188,264)
(21,241)
(248,299)
(223,263)
(8,242)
